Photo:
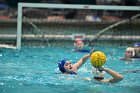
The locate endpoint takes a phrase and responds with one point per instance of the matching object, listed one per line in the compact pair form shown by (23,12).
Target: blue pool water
(33,70)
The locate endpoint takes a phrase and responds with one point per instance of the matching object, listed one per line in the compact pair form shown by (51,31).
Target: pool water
(34,70)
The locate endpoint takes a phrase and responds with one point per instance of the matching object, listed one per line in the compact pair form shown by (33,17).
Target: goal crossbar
(75,6)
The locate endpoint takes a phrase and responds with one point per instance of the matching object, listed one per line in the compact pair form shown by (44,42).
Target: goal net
(45,24)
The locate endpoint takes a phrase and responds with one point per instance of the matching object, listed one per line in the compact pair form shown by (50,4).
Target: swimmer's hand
(101,68)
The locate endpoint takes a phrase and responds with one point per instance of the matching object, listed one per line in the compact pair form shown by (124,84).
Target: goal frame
(66,6)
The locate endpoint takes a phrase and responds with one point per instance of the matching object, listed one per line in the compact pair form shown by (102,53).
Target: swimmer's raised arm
(79,63)
(116,76)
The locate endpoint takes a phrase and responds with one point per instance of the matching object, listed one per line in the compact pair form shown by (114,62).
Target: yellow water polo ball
(97,59)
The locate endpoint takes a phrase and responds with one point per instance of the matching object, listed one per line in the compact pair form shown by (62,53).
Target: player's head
(78,43)
(66,67)
(136,47)
(129,52)
(98,75)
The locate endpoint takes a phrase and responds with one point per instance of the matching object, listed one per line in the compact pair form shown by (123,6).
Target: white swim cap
(96,73)
(131,49)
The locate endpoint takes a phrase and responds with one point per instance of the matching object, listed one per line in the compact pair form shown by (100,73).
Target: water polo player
(136,47)
(129,54)
(98,59)
(79,46)
(99,75)
(66,67)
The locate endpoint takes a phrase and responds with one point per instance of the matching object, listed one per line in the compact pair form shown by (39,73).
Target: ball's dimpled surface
(97,59)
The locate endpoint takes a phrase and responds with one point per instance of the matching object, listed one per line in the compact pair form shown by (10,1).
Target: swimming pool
(33,70)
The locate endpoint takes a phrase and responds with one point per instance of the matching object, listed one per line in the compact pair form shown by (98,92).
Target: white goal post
(65,6)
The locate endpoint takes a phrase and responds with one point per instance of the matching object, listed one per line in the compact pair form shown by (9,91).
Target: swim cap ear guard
(61,66)
(98,74)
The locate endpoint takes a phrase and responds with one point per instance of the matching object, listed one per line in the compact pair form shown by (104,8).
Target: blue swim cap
(137,44)
(61,66)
